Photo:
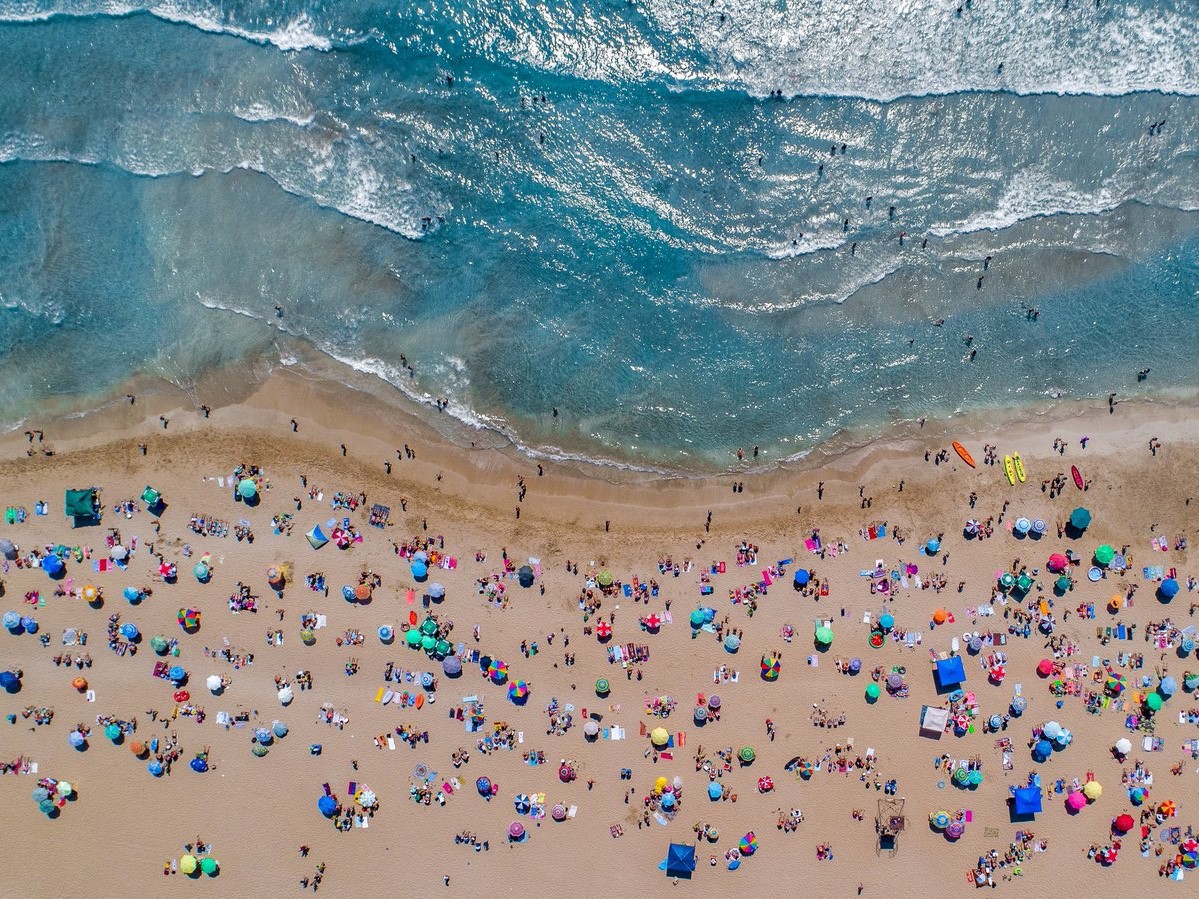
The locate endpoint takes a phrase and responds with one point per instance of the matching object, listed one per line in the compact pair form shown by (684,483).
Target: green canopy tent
(82,506)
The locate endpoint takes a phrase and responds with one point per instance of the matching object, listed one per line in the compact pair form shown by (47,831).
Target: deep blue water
(659,248)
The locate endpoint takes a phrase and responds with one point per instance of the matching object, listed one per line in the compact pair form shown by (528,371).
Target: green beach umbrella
(697,618)
(112,731)
(247,488)
(1063,583)
(1007,581)
(259,750)
(1080,518)
(1104,554)
(427,642)
(872,691)
(1153,702)
(208,865)
(747,754)
(604,578)
(412,637)
(159,644)
(601,686)
(824,634)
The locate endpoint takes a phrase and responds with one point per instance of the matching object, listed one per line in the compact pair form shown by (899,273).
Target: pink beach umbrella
(1076,802)
(516,830)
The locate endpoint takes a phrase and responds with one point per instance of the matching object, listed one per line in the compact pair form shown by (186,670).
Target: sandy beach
(123,824)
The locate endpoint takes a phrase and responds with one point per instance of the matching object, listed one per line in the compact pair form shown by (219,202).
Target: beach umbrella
(974,527)
(932,546)
(52,565)
(1136,795)
(199,765)
(177,674)
(279,729)
(420,556)
(40,794)
(200,571)
(516,831)
(522,804)
(1007,580)
(452,666)
(118,553)
(420,570)
(855,665)
(604,578)
(714,790)
(558,812)
(668,801)
(802,576)
(76,739)
(872,691)
(886,621)
(961,776)
(1123,823)
(714,702)
(1123,746)
(246,488)
(697,618)
(603,630)
(367,798)
(1076,801)
(765,784)
(428,642)
(386,634)
(1023,525)
(138,748)
(307,636)
(747,754)
(159,644)
(940,616)
(189,619)
(1153,702)
(188,864)
(327,806)
(155,768)
(1167,809)
(894,681)
(1080,519)
(264,735)
(770,668)
(9,682)
(1169,588)
(12,621)
(653,621)
(208,865)
(1042,750)
(1168,687)
(602,687)
(483,785)
(732,643)
(497,671)
(1019,704)
(955,830)
(29,624)
(1104,554)
(1038,526)
(1092,789)
(285,694)
(524,576)
(1057,562)
(659,736)
(1051,729)
(259,750)
(1045,667)
(591,728)
(426,679)
(412,637)
(131,593)
(1062,584)
(518,691)
(7,548)
(112,732)
(129,631)
(362,592)
(748,844)
(995,722)
(824,635)
(436,590)
(347,593)
(940,820)
(701,714)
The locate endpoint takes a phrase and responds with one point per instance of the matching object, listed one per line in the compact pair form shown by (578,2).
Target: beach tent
(933,721)
(525,576)
(950,672)
(1168,589)
(317,537)
(82,506)
(679,861)
(153,500)
(1026,800)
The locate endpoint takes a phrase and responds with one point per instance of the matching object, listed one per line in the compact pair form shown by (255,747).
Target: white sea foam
(260,112)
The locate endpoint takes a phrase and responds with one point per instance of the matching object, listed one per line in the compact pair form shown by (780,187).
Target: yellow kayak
(1019,465)
(1009,468)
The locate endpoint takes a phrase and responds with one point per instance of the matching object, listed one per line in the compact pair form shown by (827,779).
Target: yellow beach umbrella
(187,864)
(659,736)
(1092,789)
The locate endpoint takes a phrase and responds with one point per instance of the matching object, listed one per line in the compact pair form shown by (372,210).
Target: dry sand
(257,812)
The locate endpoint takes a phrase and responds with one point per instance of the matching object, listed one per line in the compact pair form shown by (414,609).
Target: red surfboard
(1077,476)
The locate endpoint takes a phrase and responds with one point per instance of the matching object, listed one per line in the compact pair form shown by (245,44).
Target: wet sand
(256,812)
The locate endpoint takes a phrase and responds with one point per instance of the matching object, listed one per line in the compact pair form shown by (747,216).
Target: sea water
(651,215)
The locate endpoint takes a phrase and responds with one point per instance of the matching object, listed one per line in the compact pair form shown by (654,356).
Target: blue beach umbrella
(279,729)
(129,631)
(327,805)
(420,570)
(714,791)
(52,565)
(802,577)
(12,621)
(886,621)
(177,674)
(732,643)
(1169,588)
(132,594)
(155,768)
(9,682)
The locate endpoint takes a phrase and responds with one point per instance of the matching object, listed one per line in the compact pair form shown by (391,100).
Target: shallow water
(655,250)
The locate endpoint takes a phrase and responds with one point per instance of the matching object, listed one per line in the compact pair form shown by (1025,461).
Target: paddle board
(1009,469)
(964,453)
(1077,476)
(420,700)
(1019,464)
(388,696)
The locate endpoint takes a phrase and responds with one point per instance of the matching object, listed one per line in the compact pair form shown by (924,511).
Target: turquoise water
(659,249)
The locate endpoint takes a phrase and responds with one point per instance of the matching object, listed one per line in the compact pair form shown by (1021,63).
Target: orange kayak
(964,453)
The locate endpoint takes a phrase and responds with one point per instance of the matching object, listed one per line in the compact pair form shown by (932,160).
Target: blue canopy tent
(1026,801)
(950,672)
(679,861)
(316,537)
